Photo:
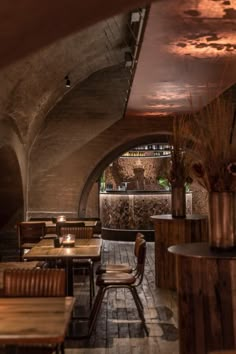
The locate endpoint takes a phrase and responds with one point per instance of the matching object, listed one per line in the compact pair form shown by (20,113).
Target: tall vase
(222,220)
(178,202)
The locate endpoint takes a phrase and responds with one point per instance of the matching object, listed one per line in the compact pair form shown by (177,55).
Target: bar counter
(170,231)
(206,298)
(132,209)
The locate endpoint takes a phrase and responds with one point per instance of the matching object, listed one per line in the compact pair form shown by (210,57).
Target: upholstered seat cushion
(113,268)
(115,279)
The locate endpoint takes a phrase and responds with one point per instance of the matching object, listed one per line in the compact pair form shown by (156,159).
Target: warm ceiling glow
(208,29)
(187,57)
(216,9)
(204,47)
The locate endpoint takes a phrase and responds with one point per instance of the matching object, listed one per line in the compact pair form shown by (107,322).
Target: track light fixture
(67,81)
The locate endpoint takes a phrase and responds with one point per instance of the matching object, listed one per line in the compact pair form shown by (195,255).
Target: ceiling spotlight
(67,81)
(128,59)
(135,16)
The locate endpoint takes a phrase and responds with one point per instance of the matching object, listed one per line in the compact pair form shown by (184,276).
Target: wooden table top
(84,248)
(14,265)
(82,242)
(34,320)
(169,217)
(201,250)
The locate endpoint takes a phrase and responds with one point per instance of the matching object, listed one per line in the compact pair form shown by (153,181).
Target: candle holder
(68,240)
(56,242)
(61,218)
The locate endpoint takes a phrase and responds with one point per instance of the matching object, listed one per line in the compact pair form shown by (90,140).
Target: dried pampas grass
(179,173)
(210,132)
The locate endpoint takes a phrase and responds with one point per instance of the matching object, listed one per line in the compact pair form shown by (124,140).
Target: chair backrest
(138,238)
(78,229)
(33,282)
(30,232)
(141,257)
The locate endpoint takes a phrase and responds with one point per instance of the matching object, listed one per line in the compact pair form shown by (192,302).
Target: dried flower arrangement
(211,134)
(179,173)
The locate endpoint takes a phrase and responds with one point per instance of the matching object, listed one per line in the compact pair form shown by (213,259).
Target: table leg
(69,277)
(11,349)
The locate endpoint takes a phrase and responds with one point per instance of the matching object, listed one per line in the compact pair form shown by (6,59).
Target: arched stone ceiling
(26,25)
(32,86)
(86,111)
(187,46)
(188,50)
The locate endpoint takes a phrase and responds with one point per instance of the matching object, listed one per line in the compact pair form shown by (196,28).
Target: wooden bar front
(206,289)
(171,231)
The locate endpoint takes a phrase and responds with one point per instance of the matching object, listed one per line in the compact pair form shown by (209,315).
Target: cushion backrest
(77,229)
(34,282)
(138,239)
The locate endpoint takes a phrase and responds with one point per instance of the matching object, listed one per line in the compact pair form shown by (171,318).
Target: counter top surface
(169,217)
(201,250)
(137,192)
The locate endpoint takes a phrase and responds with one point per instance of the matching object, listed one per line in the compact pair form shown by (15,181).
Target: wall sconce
(67,81)
(68,240)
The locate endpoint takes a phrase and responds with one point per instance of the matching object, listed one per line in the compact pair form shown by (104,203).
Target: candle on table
(68,240)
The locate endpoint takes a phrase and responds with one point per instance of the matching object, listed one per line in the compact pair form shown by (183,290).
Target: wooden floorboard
(118,328)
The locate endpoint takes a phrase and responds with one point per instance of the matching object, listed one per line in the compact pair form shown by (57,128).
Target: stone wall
(122,169)
(140,173)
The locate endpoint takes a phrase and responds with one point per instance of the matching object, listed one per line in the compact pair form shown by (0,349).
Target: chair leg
(95,310)
(62,348)
(91,285)
(21,255)
(138,298)
(139,308)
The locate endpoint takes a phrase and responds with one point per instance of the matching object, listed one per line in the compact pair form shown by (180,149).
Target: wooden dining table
(83,249)
(34,320)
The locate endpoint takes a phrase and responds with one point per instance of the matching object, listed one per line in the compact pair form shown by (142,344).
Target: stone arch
(11,188)
(111,156)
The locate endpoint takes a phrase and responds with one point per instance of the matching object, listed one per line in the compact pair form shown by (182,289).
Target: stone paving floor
(118,328)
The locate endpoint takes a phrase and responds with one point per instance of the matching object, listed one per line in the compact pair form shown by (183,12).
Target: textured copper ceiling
(188,54)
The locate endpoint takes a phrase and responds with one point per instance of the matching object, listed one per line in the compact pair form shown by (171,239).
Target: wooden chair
(76,228)
(108,281)
(83,232)
(121,267)
(29,233)
(97,229)
(31,283)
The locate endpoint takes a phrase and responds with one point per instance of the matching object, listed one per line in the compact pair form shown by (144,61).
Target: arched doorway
(108,159)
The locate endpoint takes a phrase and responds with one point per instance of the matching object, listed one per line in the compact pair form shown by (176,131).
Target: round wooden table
(206,286)
(171,231)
